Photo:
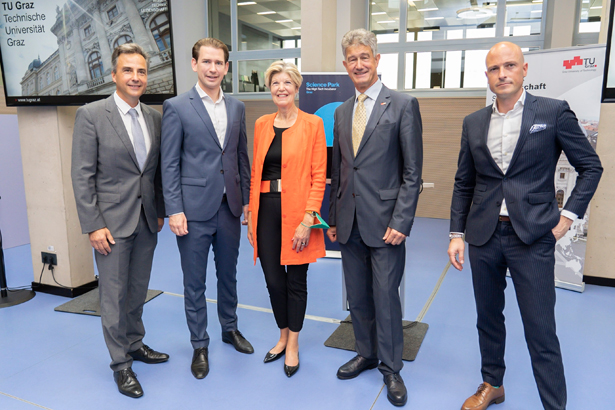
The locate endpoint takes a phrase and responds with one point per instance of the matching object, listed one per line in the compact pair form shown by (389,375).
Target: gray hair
(128,48)
(360,36)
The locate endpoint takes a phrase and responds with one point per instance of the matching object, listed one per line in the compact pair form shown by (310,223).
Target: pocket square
(537,128)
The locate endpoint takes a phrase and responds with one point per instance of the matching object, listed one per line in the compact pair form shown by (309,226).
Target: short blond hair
(280,66)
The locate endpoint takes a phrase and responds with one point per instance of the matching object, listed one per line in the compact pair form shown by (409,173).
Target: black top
(272,167)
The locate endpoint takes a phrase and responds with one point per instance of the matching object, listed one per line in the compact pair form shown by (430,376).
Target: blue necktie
(138,138)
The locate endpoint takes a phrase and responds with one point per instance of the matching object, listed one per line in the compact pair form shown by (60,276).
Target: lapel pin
(383,103)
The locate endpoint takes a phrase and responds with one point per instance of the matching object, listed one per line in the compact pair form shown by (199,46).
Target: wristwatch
(453,235)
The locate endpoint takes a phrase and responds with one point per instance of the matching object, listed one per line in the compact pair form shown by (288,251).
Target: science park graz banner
(575,75)
(321,94)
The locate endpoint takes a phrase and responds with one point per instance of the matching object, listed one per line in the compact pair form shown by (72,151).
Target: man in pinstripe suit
(504,201)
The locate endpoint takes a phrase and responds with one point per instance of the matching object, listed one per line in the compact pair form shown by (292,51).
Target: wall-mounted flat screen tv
(58,52)
(608,83)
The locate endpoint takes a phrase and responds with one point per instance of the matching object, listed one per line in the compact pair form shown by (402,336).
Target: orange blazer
(304,168)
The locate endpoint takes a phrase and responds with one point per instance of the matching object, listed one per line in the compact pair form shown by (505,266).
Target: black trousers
(531,269)
(287,285)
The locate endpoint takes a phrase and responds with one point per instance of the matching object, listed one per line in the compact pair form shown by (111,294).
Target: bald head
(505,47)
(506,69)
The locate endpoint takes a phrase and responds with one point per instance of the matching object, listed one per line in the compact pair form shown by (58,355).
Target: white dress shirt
(216,111)
(372,94)
(123,107)
(504,130)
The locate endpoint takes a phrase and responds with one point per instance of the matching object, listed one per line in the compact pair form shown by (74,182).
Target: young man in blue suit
(206,185)
(504,201)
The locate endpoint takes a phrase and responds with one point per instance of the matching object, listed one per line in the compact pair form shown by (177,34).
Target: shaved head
(502,47)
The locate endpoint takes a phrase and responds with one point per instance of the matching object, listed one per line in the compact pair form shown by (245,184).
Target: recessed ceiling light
(474,13)
(262,13)
(283,21)
(246,3)
(378,13)
(428,9)
(386,21)
(595,7)
(295,28)
(433,18)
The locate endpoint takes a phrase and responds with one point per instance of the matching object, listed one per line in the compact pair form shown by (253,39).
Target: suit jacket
(304,172)
(381,184)
(528,185)
(109,187)
(195,168)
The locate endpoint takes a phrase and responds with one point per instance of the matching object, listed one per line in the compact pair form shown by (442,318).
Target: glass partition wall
(436,44)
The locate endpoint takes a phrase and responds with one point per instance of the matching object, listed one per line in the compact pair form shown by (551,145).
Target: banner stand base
(577,287)
(334,254)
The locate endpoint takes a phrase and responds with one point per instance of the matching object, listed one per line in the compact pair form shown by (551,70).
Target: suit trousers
(222,232)
(373,276)
(287,285)
(532,272)
(123,278)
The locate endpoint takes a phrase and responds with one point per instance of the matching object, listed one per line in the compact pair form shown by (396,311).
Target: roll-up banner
(573,74)
(321,94)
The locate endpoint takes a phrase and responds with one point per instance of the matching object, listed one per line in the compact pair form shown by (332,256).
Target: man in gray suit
(375,181)
(206,180)
(504,201)
(117,186)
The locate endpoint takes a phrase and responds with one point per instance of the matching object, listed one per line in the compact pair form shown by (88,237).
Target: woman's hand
(301,239)
(250,237)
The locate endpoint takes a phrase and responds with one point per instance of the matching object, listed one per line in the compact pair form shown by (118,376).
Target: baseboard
(594,280)
(66,292)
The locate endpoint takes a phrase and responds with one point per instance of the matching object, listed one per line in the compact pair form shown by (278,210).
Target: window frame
(403,47)
(583,39)
(93,69)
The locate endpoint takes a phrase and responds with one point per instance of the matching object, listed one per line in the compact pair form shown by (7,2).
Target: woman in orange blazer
(287,188)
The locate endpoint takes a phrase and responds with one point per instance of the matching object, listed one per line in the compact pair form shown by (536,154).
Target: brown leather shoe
(484,397)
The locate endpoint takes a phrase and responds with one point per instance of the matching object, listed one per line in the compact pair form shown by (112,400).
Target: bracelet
(305,225)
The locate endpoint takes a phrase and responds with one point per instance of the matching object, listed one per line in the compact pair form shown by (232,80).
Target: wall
(13,216)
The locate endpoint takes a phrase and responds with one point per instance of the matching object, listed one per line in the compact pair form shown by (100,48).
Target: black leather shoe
(235,338)
(290,370)
(396,390)
(355,366)
(146,355)
(127,383)
(272,357)
(200,363)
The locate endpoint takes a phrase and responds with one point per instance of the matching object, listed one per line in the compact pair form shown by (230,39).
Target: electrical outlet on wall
(49,258)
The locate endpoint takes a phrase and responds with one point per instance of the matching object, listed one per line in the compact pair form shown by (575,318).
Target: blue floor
(59,361)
